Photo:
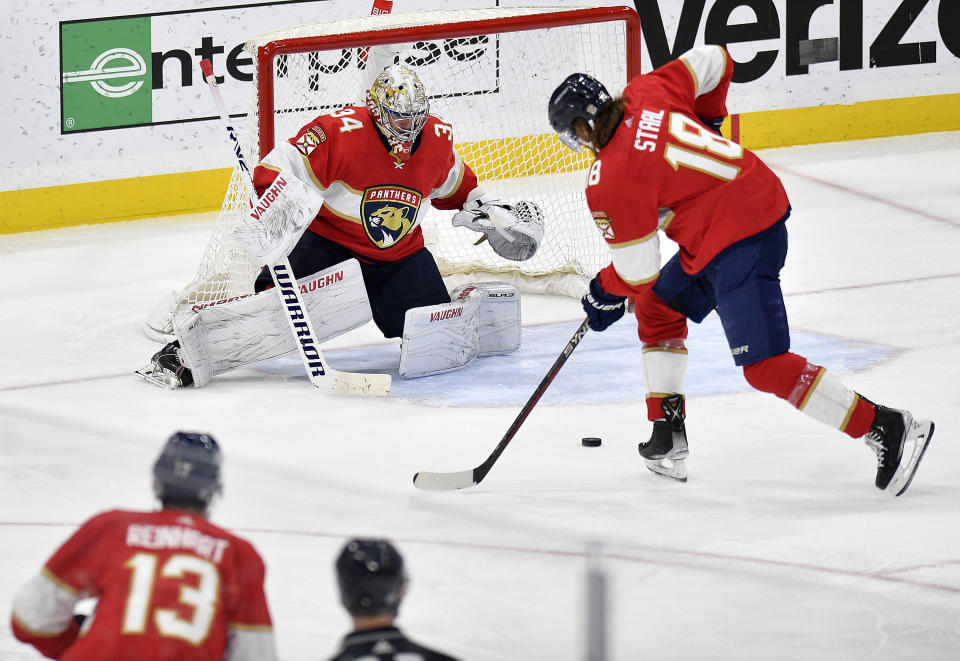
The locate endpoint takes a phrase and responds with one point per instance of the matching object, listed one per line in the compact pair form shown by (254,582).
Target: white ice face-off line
(318,370)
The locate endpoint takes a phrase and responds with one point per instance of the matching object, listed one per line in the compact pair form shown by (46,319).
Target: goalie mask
(398,105)
(579,96)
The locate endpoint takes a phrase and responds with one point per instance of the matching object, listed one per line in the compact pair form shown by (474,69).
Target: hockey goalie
(347,193)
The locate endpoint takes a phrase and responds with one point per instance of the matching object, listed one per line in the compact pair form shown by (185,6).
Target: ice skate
(667,448)
(899,442)
(166,369)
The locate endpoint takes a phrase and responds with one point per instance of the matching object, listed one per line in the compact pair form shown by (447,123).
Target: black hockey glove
(714,123)
(602,308)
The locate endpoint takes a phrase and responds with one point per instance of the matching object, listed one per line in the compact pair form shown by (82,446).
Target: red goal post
(489,73)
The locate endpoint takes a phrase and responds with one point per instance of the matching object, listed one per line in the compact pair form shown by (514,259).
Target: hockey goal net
(489,73)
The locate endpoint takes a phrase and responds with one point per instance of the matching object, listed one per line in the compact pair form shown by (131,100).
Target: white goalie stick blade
(443,481)
(675,469)
(355,383)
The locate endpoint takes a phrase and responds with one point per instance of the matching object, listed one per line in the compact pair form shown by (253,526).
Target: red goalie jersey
(170,585)
(665,169)
(373,201)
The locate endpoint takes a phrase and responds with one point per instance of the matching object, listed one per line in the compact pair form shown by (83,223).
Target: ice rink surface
(778,547)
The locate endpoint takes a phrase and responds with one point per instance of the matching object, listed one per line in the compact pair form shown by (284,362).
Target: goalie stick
(462,479)
(319,371)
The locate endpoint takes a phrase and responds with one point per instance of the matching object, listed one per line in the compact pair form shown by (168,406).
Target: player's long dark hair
(604,125)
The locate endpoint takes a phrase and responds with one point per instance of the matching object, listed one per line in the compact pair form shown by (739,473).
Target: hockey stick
(320,373)
(468,478)
(379,7)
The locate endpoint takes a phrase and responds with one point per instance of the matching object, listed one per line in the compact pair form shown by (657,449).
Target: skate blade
(158,377)
(675,469)
(917,440)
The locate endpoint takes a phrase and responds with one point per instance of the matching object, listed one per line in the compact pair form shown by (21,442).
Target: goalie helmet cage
(489,73)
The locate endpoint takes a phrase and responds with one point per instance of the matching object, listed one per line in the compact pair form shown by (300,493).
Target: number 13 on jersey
(199,595)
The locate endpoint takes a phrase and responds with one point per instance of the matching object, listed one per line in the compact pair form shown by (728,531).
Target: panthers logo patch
(389,213)
(603,224)
(309,141)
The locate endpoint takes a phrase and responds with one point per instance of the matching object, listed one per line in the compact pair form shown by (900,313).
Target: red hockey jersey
(663,169)
(373,202)
(169,584)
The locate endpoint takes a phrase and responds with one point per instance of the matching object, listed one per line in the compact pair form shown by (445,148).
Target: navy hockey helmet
(188,469)
(580,95)
(371,576)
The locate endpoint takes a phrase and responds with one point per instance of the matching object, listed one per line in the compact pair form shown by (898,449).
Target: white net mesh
(492,88)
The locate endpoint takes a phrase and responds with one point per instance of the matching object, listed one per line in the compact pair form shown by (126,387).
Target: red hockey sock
(861,419)
(791,377)
(779,375)
(655,409)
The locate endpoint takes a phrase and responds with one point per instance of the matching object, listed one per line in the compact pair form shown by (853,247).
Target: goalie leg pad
(499,316)
(219,337)
(441,338)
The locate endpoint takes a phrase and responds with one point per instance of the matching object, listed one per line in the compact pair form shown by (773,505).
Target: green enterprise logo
(104,66)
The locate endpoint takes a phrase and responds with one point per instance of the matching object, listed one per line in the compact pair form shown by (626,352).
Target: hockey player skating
(169,584)
(373,582)
(368,172)
(661,165)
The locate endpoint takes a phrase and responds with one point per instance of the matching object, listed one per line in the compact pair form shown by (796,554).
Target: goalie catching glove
(514,231)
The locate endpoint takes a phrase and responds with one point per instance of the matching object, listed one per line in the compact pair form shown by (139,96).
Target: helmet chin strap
(399,149)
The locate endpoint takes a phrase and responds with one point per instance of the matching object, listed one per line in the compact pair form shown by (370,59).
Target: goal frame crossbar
(267,53)
(519,160)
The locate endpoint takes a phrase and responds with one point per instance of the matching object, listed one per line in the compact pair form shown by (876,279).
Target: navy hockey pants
(742,284)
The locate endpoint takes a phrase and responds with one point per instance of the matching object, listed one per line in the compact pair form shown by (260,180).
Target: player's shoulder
(324,129)
(438,129)
(336,115)
(429,654)
(670,85)
(433,120)
(106,526)
(609,173)
(241,546)
(113,517)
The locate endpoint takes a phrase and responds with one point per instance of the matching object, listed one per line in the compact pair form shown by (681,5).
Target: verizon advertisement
(802,53)
(111,89)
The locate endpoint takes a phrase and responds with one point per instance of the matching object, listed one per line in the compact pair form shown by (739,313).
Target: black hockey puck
(590,442)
